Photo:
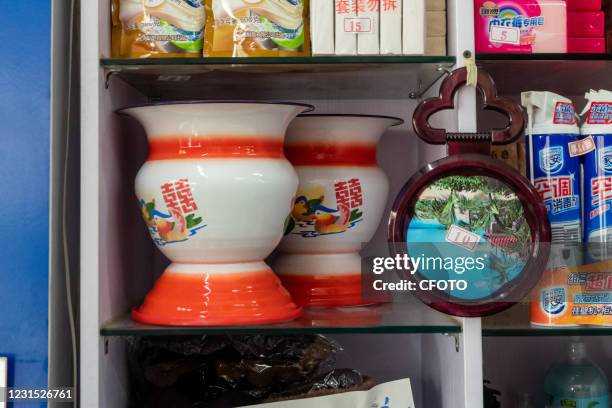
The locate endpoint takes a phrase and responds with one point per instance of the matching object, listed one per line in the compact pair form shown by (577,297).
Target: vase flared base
(217,295)
(331,280)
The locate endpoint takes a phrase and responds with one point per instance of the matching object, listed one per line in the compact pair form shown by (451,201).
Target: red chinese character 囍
(355,193)
(170,197)
(343,6)
(342,193)
(178,196)
(389,5)
(349,193)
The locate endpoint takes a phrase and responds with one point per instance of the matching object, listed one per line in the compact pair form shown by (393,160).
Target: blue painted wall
(25,42)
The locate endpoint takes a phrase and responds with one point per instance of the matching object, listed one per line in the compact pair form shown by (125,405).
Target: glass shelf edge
(545,332)
(542,57)
(385,318)
(384,59)
(109,332)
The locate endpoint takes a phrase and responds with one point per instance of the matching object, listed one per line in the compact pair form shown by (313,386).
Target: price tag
(582,146)
(505,35)
(357,25)
(462,237)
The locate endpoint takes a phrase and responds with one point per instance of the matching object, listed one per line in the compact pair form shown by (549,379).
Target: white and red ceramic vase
(338,206)
(215,192)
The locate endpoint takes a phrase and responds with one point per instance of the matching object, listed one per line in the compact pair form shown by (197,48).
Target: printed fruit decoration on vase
(215,192)
(338,207)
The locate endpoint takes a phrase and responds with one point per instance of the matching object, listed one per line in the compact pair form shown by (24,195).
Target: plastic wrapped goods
(266,28)
(157,28)
(233,370)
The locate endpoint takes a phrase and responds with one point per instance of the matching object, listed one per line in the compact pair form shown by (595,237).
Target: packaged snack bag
(256,28)
(157,28)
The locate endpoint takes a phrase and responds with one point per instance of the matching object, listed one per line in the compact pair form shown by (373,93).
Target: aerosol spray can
(597,132)
(552,168)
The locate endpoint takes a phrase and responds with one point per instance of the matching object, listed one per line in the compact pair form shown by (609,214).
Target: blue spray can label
(598,169)
(554,172)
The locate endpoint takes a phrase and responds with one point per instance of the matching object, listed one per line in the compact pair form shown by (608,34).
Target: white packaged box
(322,27)
(413,27)
(368,41)
(391,27)
(394,394)
(346,27)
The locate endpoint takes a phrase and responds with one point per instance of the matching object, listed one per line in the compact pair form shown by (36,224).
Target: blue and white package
(598,168)
(550,167)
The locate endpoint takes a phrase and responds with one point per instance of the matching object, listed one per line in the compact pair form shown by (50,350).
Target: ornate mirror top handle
(491,101)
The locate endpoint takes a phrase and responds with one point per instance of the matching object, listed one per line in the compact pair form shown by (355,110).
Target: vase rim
(121,111)
(399,121)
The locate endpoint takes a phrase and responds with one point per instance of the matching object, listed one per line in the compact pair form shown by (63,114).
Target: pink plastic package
(583,5)
(520,26)
(586,24)
(586,45)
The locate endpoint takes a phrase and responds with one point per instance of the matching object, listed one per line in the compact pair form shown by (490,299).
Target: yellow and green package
(256,28)
(157,28)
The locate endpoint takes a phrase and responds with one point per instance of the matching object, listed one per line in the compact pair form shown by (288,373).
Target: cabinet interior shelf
(543,57)
(289,78)
(387,318)
(568,74)
(514,322)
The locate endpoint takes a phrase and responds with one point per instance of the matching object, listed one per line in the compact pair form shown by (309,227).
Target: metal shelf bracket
(457,339)
(442,70)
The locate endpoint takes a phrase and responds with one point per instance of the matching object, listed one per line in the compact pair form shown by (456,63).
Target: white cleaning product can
(597,128)
(553,167)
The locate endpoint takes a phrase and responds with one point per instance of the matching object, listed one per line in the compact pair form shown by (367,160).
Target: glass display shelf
(386,318)
(568,74)
(334,77)
(543,57)
(514,322)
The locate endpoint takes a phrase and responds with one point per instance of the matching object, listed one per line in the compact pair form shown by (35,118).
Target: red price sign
(357,25)
(505,35)
(582,146)
(462,237)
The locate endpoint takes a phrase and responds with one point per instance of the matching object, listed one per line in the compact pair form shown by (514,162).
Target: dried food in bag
(239,369)
(256,28)
(157,28)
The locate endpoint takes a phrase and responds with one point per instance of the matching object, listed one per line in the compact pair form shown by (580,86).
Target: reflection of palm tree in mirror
(482,205)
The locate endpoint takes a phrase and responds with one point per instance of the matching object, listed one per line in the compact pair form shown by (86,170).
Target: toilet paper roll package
(346,26)
(322,27)
(413,27)
(391,28)
(157,28)
(265,28)
(368,38)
